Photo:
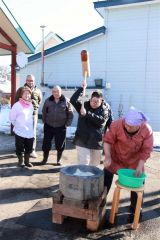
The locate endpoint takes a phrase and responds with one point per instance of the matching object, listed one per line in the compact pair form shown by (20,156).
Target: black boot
(45,158)
(26,160)
(59,155)
(20,161)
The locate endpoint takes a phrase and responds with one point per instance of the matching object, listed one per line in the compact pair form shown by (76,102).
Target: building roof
(110,3)
(69,43)
(50,40)
(11,27)
(114,3)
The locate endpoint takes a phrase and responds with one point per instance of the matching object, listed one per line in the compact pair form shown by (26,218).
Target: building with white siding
(63,64)
(133,55)
(125,53)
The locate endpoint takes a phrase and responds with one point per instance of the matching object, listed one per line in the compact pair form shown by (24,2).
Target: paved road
(25,201)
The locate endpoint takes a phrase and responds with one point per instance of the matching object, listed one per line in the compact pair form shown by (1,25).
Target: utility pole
(42,55)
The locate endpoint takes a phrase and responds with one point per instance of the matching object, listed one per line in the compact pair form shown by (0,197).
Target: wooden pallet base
(92,211)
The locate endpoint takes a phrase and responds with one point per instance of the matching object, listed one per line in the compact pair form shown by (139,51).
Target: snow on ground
(70,131)
(4,119)
(5,86)
(5,124)
(5,127)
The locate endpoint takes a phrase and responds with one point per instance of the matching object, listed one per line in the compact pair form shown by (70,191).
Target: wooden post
(13,77)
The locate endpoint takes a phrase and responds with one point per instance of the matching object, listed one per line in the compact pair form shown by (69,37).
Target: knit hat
(135,117)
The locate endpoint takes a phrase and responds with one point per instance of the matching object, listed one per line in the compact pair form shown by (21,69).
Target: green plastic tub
(127,178)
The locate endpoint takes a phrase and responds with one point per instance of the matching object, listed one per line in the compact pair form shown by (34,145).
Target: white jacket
(22,120)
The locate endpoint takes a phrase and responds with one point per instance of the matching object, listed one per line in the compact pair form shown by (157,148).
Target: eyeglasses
(96,101)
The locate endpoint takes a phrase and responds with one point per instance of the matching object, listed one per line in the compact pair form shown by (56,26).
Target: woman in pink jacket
(127,144)
(21,117)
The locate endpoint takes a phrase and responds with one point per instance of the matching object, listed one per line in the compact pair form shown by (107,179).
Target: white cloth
(78,172)
(88,156)
(22,120)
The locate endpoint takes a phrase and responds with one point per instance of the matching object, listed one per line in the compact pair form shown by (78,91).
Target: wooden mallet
(85,69)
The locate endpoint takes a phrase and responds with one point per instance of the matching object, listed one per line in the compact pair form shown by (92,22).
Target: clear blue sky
(68,18)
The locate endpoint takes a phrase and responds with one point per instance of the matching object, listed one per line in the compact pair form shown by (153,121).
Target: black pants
(59,133)
(23,145)
(108,178)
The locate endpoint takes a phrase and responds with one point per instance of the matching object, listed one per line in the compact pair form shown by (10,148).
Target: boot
(59,155)
(45,158)
(20,161)
(26,160)
(33,154)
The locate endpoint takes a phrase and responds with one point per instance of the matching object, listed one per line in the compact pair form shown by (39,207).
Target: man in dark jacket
(36,97)
(93,118)
(57,114)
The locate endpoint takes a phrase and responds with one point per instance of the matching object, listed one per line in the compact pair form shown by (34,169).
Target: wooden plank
(75,203)
(57,218)
(7,37)
(7,47)
(57,196)
(94,215)
(93,225)
(95,204)
(72,211)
